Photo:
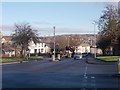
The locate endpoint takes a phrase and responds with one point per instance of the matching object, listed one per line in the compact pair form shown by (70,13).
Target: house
(39,48)
(87,48)
(95,50)
(7,49)
(6,39)
(83,47)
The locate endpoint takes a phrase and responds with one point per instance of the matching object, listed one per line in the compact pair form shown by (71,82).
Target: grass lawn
(12,59)
(9,59)
(36,58)
(108,58)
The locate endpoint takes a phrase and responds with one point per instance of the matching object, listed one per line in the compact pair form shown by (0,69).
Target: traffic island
(54,58)
(91,61)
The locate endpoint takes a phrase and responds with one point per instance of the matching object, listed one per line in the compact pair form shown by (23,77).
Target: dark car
(84,54)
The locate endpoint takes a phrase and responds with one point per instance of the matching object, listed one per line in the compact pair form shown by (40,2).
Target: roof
(84,44)
(7,38)
(8,48)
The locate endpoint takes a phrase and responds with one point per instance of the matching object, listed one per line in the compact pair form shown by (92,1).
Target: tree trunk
(15,52)
(103,51)
(22,52)
(116,50)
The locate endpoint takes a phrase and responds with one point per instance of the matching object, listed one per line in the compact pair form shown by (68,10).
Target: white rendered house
(83,48)
(38,48)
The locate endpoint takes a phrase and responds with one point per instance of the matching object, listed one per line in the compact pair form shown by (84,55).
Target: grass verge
(14,59)
(35,58)
(108,58)
(10,59)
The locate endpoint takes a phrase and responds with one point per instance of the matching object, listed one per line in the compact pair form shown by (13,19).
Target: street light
(94,22)
(54,41)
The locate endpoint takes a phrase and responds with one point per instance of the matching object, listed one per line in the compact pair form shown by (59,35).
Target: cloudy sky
(67,17)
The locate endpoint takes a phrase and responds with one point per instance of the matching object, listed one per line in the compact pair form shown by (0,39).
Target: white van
(77,56)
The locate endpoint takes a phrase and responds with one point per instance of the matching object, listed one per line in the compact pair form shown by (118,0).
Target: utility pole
(54,41)
(95,40)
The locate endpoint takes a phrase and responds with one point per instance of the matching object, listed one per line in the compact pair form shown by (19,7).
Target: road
(67,73)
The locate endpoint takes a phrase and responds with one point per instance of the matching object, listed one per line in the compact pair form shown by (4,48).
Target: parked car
(84,54)
(77,56)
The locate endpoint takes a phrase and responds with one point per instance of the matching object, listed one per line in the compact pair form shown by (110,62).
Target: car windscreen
(77,53)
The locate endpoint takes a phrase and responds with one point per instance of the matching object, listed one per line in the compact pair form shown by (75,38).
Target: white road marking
(92,77)
(85,74)
(93,81)
(85,77)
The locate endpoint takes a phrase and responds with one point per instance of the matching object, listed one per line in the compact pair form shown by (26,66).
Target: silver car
(77,56)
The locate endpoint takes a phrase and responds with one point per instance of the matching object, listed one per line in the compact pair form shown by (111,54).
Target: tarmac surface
(67,73)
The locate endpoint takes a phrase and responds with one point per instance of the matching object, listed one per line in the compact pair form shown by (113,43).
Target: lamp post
(54,41)
(95,40)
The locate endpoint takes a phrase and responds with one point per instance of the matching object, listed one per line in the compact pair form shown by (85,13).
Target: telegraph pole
(95,40)
(54,41)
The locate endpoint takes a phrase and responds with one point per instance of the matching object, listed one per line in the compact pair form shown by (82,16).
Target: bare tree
(61,42)
(23,35)
(69,42)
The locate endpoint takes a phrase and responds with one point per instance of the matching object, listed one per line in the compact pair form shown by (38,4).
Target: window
(41,50)
(35,51)
(42,44)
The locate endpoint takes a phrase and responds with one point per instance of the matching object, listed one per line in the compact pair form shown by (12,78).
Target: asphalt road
(67,73)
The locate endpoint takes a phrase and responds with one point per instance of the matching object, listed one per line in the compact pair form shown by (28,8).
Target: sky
(67,17)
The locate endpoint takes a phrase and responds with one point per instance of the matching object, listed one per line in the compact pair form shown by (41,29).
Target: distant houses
(9,50)
(46,46)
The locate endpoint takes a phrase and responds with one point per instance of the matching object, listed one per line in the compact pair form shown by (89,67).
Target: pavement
(67,73)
